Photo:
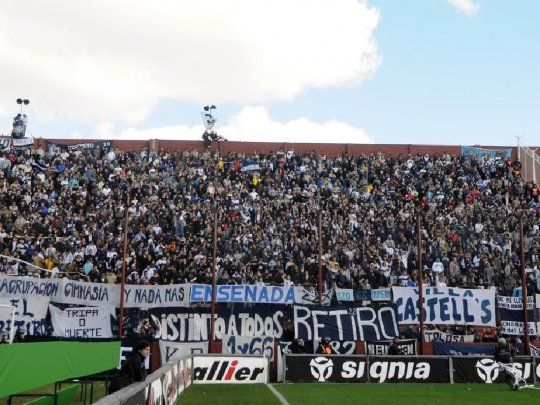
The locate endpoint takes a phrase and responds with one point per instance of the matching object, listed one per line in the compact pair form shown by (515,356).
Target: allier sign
(230,370)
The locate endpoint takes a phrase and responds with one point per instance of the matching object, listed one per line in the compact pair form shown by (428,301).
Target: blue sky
(435,76)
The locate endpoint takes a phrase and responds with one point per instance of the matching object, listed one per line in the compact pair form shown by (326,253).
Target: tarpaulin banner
(380,348)
(244,293)
(82,322)
(473,151)
(193,325)
(342,322)
(304,296)
(22,142)
(362,369)
(432,335)
(52,147)
(461,349)
(446,306)
(66,291)
(30,315)
(511,315)
(172,351)
(259,345)
(340,347)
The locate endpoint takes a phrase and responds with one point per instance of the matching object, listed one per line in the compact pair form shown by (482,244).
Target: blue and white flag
(511,315)
(250,166)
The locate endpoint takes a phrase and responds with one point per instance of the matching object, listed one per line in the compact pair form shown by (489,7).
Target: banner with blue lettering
(342,322)
(344,294)
(30,315)
(82,322)
(511,315)
(461,349)
(193,324)
(255,345)
(446,306)
(243,293)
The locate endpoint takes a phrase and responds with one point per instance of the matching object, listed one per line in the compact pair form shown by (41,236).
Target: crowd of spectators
(64,212)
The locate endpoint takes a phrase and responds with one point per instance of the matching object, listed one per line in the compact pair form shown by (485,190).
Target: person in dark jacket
(133,369)
(394,349)
(297,346)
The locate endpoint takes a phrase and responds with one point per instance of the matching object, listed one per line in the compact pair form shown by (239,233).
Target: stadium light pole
(518,137)
(320,283)
(420,280)
(523,285)
(213,297)
(22,101)
(123,280)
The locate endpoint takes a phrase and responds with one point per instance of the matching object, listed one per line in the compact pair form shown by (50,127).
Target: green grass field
(334,394)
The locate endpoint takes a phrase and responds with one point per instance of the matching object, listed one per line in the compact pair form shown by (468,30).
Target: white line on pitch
(278,395)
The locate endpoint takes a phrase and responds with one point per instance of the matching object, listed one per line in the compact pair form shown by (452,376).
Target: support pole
(123,281)
(319,217)
(523,286)
(213,298)
(420,282)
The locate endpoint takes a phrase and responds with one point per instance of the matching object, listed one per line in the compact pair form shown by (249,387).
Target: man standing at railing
(133,369)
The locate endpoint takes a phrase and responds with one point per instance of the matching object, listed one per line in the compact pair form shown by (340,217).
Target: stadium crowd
(64,212)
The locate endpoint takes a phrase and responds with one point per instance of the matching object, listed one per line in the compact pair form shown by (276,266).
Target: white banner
(30,315)
(261,345)
(66,291)
(82,322)
(230,370)
(173,351)
(431,335)
(344,294)
(311,297)
(446,306)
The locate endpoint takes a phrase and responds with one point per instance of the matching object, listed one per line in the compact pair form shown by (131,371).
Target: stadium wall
(329,149)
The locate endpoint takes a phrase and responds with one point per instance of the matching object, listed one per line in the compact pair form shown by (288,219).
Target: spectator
(133,369)
(325,347)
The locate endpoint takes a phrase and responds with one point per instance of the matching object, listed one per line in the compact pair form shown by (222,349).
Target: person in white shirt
(437,266)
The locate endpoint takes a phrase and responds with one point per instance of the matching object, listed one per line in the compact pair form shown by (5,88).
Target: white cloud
(467,7)
(111,61)
(255,124)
